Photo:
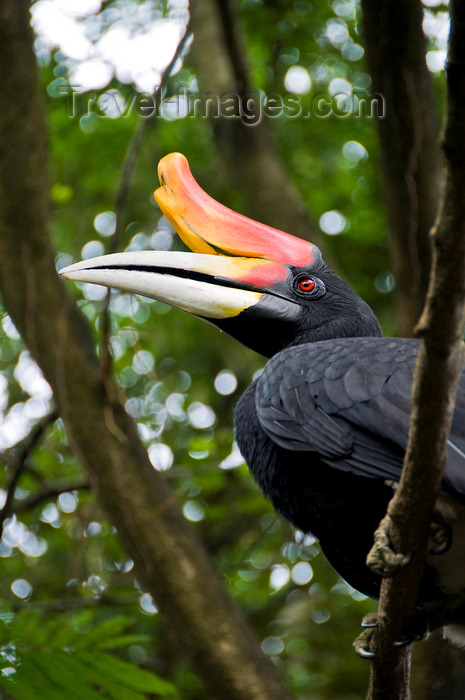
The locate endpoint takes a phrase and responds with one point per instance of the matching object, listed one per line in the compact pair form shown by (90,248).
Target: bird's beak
(206,226)
(237,264)
(203,285)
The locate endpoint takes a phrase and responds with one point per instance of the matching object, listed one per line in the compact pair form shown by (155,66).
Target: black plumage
(324,430)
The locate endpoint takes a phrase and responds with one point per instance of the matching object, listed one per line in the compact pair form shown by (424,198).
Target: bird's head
(265,287)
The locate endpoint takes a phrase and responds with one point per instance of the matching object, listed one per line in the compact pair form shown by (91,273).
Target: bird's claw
(382,559)
(362,643)
(370,621)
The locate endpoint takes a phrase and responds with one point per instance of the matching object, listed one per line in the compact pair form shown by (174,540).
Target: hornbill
(324,428)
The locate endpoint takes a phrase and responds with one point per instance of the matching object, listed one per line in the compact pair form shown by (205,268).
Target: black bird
(324,428)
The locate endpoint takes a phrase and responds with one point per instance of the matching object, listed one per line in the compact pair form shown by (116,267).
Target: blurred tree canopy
(73,601)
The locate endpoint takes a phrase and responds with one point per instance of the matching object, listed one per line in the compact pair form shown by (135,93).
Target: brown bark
(246,151)
(438,370)
(409,140)
(170,562)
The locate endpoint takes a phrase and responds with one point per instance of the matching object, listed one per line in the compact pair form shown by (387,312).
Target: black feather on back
(348,400)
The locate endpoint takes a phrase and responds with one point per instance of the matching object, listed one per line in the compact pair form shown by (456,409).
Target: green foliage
(68,657)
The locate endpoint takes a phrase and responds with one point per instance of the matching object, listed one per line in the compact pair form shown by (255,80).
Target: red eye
(306,285)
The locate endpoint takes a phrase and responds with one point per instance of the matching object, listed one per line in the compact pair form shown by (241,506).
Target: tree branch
(438,370)
(409,140)
(51,491)
(20,463)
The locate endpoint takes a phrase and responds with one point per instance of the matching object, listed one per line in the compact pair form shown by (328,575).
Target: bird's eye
(310,287)
(306,285)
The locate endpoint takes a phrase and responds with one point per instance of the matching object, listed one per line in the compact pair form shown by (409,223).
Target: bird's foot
(364,643)
(440,535)
(382,559)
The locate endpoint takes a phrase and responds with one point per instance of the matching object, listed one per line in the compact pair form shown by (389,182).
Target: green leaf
(127,674)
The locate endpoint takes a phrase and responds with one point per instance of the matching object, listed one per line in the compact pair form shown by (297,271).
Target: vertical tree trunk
(409,139)
(440,364)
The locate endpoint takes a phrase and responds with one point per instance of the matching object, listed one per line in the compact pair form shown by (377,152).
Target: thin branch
(438,370)
(70,604)
(50,492)
(20,462)
(127,171)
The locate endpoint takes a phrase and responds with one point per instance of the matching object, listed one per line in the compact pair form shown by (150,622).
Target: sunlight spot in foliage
(340,86)
(302,573)
(51,515)
(94,292)
(201,416)
(337,32)
(225,382)
(147,605)
(354,151)
(140,241)
(21,588)
(161,456)
(174,406)
(233,460)
(14,427)
(137,654)
(384,282)
(67,502)
(306,540)
(199,454)
(93,529)
(105,223)
(143,362)
(5,550)
(124,305)
(279,577)
(30,377)
(124,566)
(321,616)
(344,8)
(17,535)
(436,26)
(92,249)
(112,103)
(272,646)
(435,60)
(333,222)
(94,72)
(297,80)
(175,107)
(352,52)
(8,671)
(9,328)
(57,24)
(89,123)
(193,511)
(95,584)
(161,240)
